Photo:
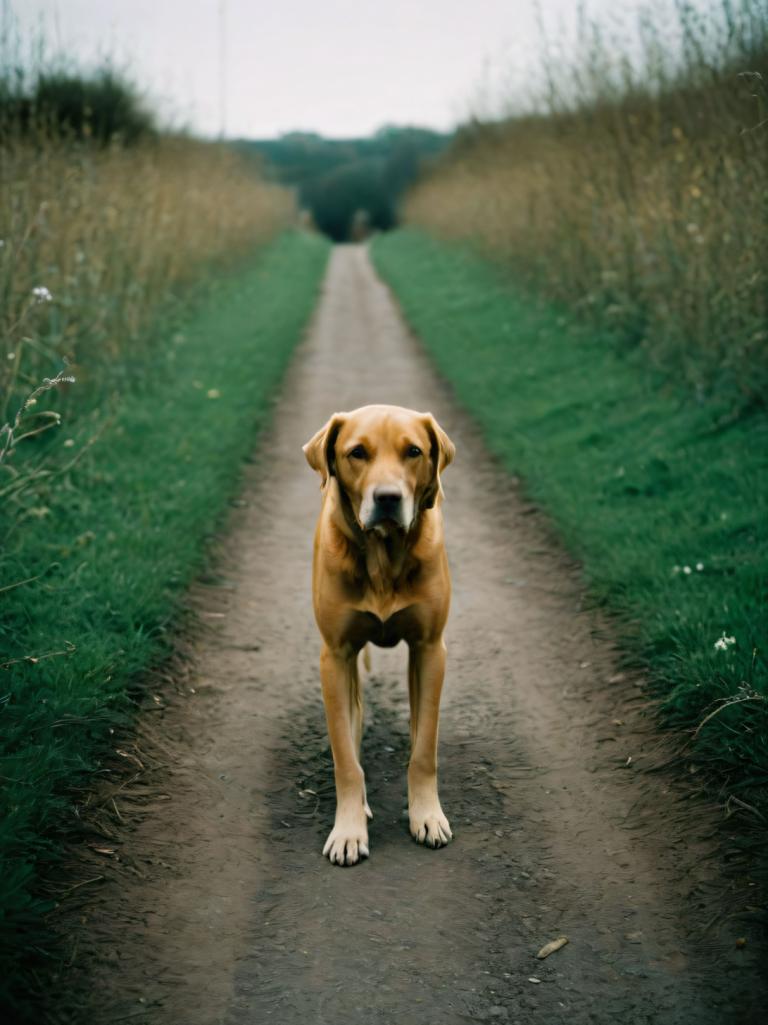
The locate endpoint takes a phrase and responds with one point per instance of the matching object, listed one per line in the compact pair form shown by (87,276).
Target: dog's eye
(358,452)
(412,451)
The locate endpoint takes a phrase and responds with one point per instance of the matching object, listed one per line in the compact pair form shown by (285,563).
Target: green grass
(644,484)
(111,544)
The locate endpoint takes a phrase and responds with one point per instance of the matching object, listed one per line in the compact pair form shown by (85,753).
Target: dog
(380,576)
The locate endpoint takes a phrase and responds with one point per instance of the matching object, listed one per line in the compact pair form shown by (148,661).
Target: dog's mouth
(383,525)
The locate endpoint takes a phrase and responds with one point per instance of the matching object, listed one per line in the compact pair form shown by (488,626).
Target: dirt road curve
(228,914)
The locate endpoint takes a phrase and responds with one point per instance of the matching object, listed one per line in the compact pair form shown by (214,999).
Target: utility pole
(222,68)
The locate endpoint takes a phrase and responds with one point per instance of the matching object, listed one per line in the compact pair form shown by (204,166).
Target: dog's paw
(429,825)
(347,842)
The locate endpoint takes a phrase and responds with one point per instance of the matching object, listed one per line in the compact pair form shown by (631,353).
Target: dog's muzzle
(388,507)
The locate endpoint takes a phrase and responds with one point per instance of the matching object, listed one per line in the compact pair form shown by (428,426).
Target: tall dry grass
(637,192)
(111,233)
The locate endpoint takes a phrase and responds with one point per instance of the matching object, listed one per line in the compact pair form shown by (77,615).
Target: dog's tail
(367,658)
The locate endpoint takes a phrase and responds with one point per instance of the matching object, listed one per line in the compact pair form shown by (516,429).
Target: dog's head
(387,461)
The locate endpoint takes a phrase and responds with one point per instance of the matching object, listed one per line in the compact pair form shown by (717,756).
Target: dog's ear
(319,448)
(442,451)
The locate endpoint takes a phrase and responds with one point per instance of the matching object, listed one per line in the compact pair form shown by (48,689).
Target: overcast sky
(339,67)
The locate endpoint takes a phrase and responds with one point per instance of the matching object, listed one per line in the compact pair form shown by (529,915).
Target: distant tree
(336,198)
(337,178)
(103,106)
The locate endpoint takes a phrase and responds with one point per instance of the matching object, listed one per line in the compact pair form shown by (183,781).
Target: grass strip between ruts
(663,498)
(111,546)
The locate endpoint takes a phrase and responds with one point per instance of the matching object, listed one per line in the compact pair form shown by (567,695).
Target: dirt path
(226,912)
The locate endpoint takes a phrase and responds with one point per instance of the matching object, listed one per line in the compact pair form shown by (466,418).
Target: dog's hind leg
(348,840)
(357,717)
(357,709)
(366,657)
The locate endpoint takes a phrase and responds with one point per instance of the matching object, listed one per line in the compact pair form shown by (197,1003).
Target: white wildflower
(213,393)
(699,567)
(687,570)
(723,643)
(42,294)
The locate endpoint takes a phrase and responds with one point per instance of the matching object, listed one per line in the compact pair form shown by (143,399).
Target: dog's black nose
(387,498)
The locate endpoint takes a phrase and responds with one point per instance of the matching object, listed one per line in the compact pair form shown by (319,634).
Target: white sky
(338,67)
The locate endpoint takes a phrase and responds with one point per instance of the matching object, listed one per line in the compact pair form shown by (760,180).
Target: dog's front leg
(426,669)
(348,840)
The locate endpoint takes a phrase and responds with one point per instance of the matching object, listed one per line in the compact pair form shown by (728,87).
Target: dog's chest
(383,593)
(384,633)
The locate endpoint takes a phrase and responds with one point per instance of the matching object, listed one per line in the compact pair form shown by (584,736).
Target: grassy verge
(664,499)
(109,545)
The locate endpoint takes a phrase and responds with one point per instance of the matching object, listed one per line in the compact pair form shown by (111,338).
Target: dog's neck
(384,558)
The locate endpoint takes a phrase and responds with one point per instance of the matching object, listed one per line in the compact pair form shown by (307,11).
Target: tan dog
(380,575)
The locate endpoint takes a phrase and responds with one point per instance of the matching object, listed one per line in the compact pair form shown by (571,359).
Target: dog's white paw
(428,824)
(347,842)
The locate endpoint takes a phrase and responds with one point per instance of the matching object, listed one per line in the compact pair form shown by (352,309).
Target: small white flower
(42,294)
(69,443)
(687,570)
(675,570)
(11,355)
(723,643)
(213,393)
(699,567)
